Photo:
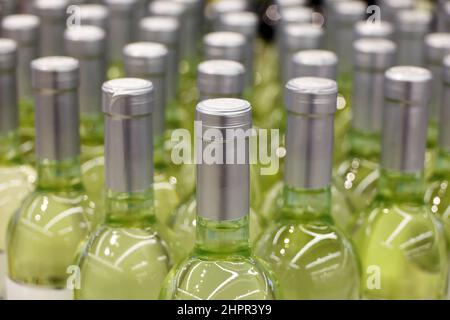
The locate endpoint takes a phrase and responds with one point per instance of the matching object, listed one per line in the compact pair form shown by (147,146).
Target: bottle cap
(146,57)
(160,29)
(85,41)
(221,78)
(23,28)
(366,29)
(373,53)
(8,54)
(413,21)
(224,45)
(55,73)
(437,46)
(244,22)
(302,36)
(94,15)
(315,63)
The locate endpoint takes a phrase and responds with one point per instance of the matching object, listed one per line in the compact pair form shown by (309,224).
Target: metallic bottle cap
(8,94)
(160,29)
(55,83)
(437,46)
(413,21)
(145,58)
(220,79)
(55,73)
(94,15)
(120,26)
(194,17)
(349,12)
(372,57)
(315,63)
(311,104)
(224,45)
(216,9)
(128,106)
(443,16)
(87,44)
(244,22)
(53,22)
(148,60)
(302,36)
(7,7)
(366,29)
(374,54)
(405,118)
(23,28)
(444,118)
(282,4)
(84,42)
(223,183)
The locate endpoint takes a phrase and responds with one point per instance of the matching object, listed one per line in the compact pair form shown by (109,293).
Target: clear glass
(357,175)
(401,243)
(437,195)
(311,257)
(46,232)
(125,258)
(342,211)
(181,231)
(221,267)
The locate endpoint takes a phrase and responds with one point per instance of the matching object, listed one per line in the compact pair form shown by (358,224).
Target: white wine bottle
(45,233)
(222,266)
(125,257)
(16,178)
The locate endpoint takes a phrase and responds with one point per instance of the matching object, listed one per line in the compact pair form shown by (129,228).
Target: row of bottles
(127,158)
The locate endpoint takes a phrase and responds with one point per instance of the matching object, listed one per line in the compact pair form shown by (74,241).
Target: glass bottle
(125,257)
(437,195)
(311,257)
(166,30)
(411,28)
(224,79)
(86,43)
(52,14)
(222,266)
(16,178)
(45,233)
(401,243)
(122,14)
(24,30)
(357,174)
(437,46)
(148,60)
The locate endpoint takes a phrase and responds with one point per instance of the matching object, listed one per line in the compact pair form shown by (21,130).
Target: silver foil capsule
(378,29)
(391,8)
(223,176)
(128,107)
(314,63)
(444,117)
(9,120)
(405,118)
(311,104)
(55,82)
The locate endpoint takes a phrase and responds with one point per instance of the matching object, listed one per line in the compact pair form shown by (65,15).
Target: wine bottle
(225,79)
(222,245)
(311,257)
(411,28)
(17,179)
(52,15)
(24,30)
(357,174)
(122,14)
(437,195)
(125,257)
(148,60)
(245,23)
(437,46)
(401,243)
(165,30)
(45,233)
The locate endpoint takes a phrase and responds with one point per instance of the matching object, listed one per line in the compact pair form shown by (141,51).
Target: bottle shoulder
(235,277)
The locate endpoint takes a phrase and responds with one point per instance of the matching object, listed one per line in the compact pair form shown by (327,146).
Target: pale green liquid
(407,246)
(342,212)
(181,233)
(218,278)
(122,263)
(45,234)
(311,260)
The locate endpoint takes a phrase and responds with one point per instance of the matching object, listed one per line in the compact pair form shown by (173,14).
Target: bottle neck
(307,204)
(59,175)
(442,165)
(130,209)
(365,145)
(9,148)
(401,187)
(222,237)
